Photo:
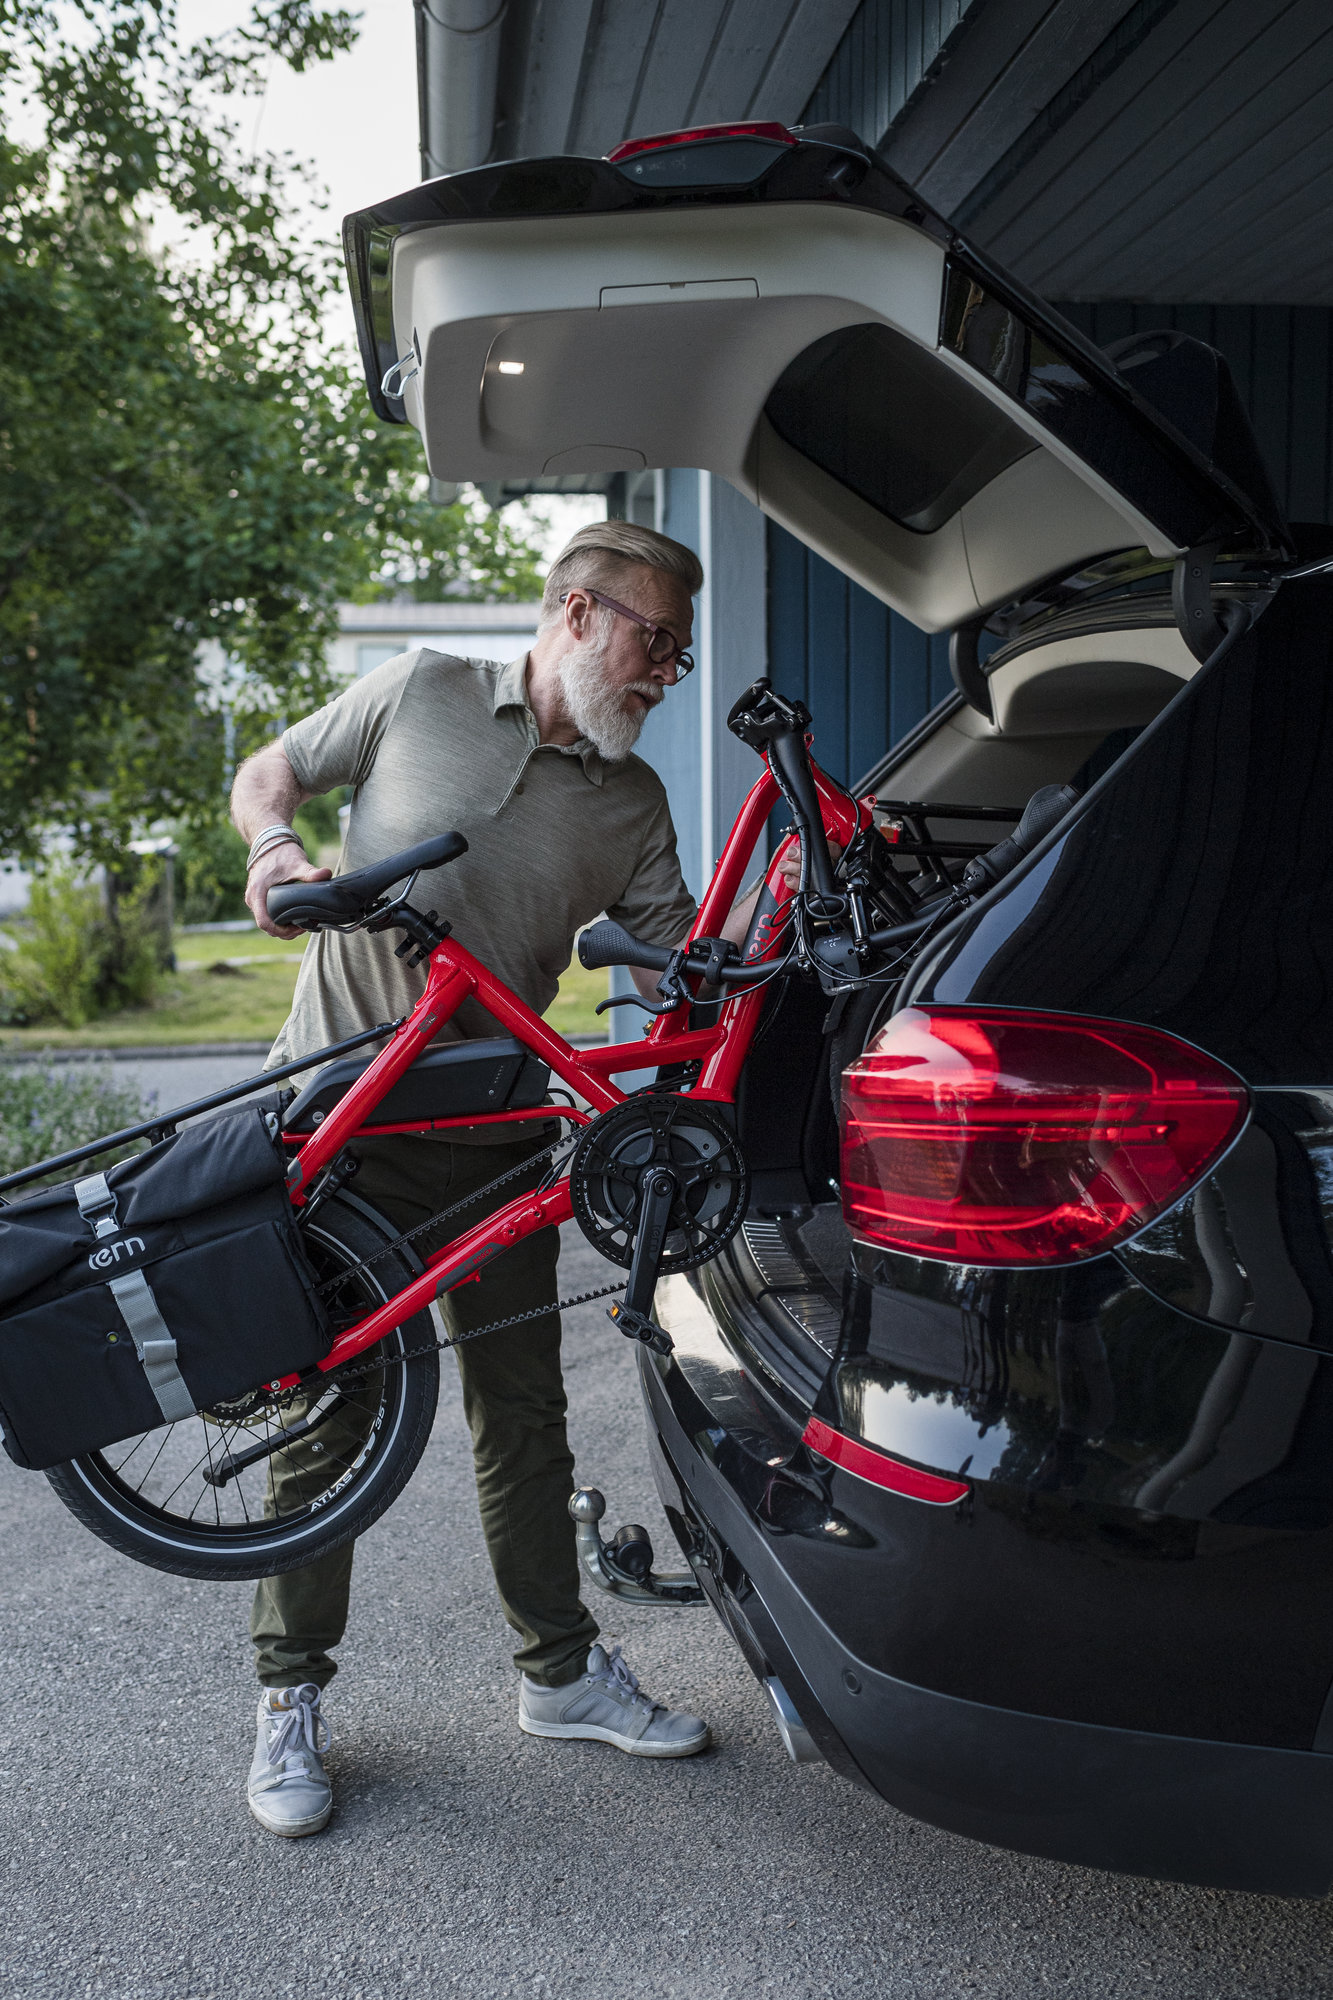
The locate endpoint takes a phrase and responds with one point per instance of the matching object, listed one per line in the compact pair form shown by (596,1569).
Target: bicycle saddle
(347,899)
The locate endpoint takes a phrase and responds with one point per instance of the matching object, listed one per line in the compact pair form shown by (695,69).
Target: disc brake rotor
(698,1145)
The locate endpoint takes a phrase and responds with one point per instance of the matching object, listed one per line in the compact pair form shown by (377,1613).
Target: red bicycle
(655,1178)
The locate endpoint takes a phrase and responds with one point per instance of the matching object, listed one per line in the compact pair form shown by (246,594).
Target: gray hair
(597,557)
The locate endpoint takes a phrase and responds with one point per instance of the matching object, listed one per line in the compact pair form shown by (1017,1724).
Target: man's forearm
(736,925)
(265,792)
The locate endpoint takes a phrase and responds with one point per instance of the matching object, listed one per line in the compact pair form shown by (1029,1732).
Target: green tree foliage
(433,553)
(210,873)
(181,456)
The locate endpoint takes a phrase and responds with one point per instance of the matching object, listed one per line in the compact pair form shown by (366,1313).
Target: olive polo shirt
(555,836)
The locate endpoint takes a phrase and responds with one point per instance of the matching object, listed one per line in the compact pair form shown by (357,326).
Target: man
(532,763)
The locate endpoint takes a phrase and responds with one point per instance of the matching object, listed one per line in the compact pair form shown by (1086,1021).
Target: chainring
(683,1133)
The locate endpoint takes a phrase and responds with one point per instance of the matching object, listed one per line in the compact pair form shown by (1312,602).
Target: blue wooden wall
(1282,359)
(882,59)
(672,740)
(866,673)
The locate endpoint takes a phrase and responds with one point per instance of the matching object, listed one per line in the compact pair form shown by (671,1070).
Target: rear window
(881,416)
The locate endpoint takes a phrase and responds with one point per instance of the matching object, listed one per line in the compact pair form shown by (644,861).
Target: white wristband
(273,836)
(261,839)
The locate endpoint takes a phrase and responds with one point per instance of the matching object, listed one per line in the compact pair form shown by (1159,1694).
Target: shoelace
(300,1727)
(615,1671)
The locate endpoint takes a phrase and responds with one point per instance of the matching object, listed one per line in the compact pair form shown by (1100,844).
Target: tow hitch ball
(624,1565)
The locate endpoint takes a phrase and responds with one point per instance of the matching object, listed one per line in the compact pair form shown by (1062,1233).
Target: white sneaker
(288,1787)
(607,1705)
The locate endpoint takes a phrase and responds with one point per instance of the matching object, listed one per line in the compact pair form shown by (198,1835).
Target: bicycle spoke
(207,1486)
(138,1442)
(286,1449)
(156,1455)
(187,1474)
(240,1480)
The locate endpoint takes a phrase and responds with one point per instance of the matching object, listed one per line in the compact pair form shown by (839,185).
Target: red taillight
(763,129)
(981,1136)
(881,1470)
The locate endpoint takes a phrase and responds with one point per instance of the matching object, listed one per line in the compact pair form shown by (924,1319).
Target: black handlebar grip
(611,944)
(1044,810)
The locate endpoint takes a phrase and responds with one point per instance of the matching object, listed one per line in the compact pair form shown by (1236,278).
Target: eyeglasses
(663,646)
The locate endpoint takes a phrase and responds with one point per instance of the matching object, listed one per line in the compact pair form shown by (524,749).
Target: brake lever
(711,957)
(637,1000)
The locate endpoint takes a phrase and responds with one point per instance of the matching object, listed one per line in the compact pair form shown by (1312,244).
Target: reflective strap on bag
(153,1344)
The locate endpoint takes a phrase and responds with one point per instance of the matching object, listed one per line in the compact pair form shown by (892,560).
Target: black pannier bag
(172,1282)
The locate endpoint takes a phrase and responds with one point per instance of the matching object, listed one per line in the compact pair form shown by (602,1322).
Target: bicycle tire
(344,1231)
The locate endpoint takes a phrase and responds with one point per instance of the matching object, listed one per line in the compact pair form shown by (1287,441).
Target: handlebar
(611,944)
(1045,809)
(718,959)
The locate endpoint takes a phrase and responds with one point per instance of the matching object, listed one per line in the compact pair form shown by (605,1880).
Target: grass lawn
(236,986)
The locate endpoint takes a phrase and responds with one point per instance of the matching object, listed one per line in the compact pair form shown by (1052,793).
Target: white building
(369,634)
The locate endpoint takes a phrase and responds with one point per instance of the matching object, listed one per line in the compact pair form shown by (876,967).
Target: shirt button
(518,787)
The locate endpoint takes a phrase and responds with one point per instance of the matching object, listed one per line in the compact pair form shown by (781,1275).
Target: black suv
(995,1436)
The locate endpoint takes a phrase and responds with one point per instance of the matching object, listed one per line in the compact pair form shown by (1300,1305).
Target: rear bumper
(1183,1809)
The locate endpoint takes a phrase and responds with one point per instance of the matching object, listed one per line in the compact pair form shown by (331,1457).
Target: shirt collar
(511,691)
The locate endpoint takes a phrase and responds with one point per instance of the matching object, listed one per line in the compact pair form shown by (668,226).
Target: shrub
(210,874)
(46,1110)
(68,959)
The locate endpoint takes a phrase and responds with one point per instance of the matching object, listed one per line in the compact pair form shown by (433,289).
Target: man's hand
(790,867)
(741,914)
(287,863)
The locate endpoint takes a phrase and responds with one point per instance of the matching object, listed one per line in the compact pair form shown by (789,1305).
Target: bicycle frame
(455,975)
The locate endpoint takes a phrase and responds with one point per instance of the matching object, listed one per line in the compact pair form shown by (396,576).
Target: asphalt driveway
(467,1857)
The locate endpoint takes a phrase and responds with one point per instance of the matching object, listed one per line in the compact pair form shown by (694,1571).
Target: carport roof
(1099,149)
(1164,150)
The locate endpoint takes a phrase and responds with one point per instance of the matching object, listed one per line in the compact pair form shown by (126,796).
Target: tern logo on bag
(102,1260)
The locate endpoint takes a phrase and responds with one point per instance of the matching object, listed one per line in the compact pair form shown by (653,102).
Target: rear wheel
(265,1484)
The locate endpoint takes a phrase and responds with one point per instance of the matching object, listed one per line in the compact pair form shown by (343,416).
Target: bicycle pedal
(638,1326)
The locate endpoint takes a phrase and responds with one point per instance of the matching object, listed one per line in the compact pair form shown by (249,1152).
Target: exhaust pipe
(797,1741)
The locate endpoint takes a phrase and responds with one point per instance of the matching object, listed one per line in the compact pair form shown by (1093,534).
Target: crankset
(688,1138)
(657,1184)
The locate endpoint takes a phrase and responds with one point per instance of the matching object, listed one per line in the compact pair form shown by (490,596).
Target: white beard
(602,713)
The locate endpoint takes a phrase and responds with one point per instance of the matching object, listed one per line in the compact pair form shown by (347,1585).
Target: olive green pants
(514,1402)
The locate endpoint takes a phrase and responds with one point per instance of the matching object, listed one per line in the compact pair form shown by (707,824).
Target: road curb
(170,1050)
(136,1054)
